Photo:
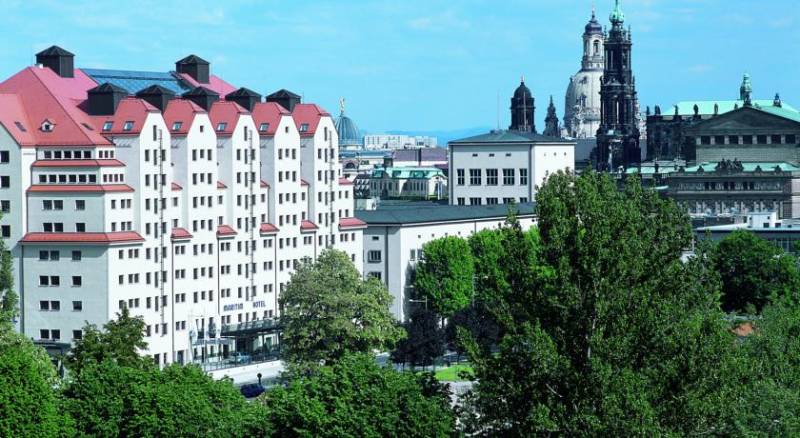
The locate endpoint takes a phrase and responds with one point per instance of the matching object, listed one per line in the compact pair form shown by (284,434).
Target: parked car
(251,390)
(239,357)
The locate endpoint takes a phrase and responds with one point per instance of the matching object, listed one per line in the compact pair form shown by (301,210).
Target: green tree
(356,397)
(604,330)
(329,310)
(9,300)
(111,399)
(424,341)
(120,341)
(752,271)
(445,274)
(29,403)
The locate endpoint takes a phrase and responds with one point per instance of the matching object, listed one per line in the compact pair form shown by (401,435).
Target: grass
(450,374)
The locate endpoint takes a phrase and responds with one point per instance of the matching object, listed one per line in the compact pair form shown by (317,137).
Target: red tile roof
(176,187)
(307,225)
(44,95)
(267,228)
(271,113)
(264,184)
(78,163)
(228,113)
(180,233)
(80,188)
(345,182)
(11,114)
(303,183)
(308,113)
(214,84)
(130,109)
(351,223)
(181,110)
(88,238)
(225,230)
(221,185)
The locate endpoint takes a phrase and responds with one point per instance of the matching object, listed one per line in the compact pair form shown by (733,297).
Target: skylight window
(20,127)
(107,126)
(86,125)
(221,126)
(176,126)
(127,126)
(303,127)
(264,127)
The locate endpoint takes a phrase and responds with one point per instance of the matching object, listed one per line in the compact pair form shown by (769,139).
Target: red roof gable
(44,95)
(307,225)
(78,163)
(269,113)
(264,184)
(87,238)
(82,188)
(345,182)
(214,84)
(267,228)
(13,117)
(130,109)
(227,113)
(310,114)
(351,223)
(221,185)
(180,233)
(303,183)
(225,230)
(176,187)
(183,111)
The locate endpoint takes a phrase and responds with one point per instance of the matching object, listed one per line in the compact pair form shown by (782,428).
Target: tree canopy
(328,310)
(753,271)
(445,274)
(425,339)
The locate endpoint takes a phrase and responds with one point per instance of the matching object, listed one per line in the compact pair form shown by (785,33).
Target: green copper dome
(616,15)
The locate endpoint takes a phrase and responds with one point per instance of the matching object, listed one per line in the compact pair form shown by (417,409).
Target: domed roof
(522,91)
(346,129)
(593,26)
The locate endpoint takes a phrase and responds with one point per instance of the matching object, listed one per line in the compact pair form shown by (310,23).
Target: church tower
(551,121)
(522,109)
(618,134)
(582,100)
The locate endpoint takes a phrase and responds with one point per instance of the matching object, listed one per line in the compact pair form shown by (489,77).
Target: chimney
(195,66)
(57,59)
(104,99)
(284,98)
(245,97)
(156,95)
(202,96)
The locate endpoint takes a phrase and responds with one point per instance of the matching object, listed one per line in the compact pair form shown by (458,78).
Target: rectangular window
(791,139)
(461,201)
(4,157)
(375,275)
(5,206)
(77,306)
(523,177)
(374,256)
(508,177)
(491,201)
(491,177)
(80,227)
(474,201)
(77,280)
(80,204)
(719,139)
(475,177)
(5,230)
(460,177)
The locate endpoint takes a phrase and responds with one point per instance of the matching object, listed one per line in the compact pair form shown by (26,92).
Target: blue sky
(422,64)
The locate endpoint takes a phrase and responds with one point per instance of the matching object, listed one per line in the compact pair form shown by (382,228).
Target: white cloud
(700,69)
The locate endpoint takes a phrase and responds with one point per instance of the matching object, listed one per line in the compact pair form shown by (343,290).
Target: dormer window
(127,126)
(221,126)
(107,126)
(303,127)
(47,126)
(264,127)
(176,126)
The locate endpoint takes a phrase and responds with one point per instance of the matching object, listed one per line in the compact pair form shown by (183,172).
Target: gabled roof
(303,183)
(130,109)
(227,113)
(14,119)
(183,111)
(269,113)
(267,228)
(283,93)
(44,95)
(180,233)
(307,226)
(55,51)
(176,187)
(192,59)
(221,185)
(80,188)
(78,163)
(225,231)
(345,182)
(107,87)
(509,136)
(264,184)
(83,238)
(351,223)
(214,84)
(242,92)
(308,114)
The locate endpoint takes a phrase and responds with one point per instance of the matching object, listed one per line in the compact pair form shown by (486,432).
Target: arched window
(596,47)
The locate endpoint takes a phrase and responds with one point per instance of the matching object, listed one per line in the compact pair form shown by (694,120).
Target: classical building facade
(173,194)
(582,101)
(397,141)
(618,134)
(409,183)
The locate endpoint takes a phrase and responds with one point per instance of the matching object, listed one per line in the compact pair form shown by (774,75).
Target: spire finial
(341,105)
(617,17)
(593,10)
(522,78)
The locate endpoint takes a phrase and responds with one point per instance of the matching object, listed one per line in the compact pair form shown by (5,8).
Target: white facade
(192,218)
(499,172)
(397,141)
(392,249)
